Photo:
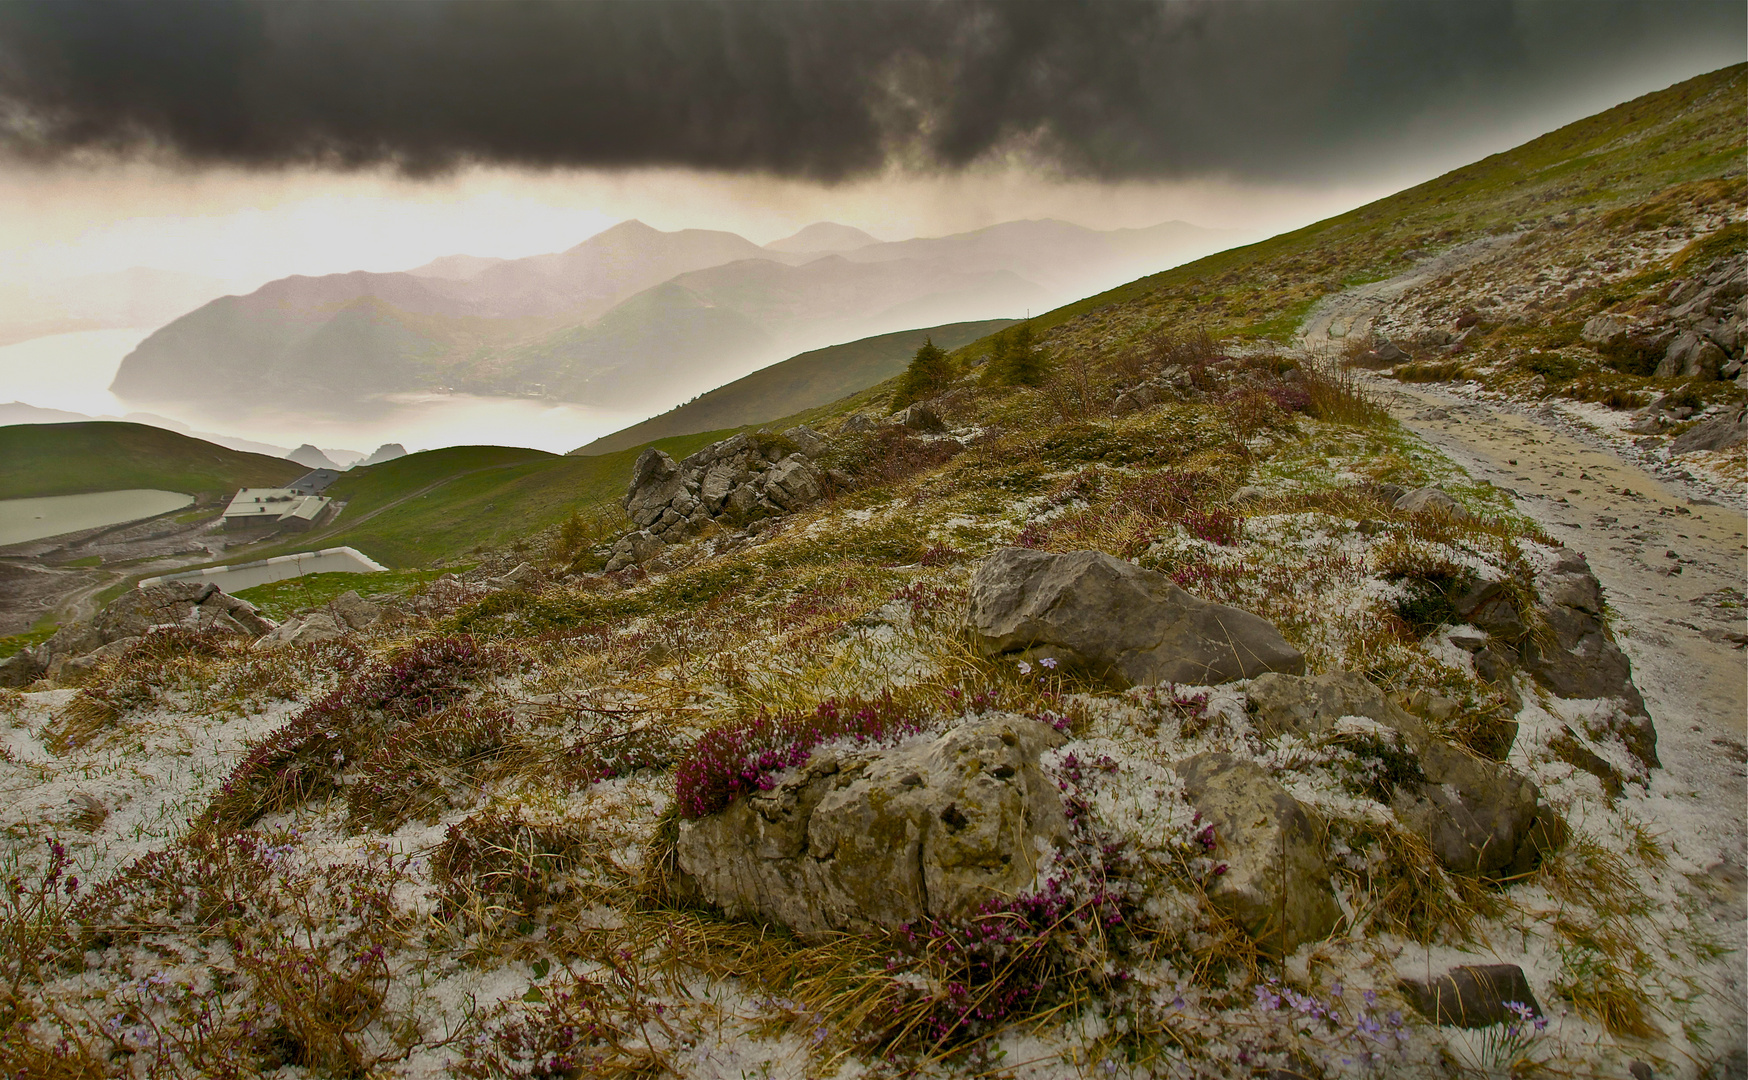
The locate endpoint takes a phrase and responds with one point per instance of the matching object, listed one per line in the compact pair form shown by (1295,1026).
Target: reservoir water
(234,579)
(33,519)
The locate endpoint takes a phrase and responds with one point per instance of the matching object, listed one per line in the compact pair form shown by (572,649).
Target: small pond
(33,519)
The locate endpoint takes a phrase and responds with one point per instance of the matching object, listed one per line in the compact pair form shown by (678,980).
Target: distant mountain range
(630,319)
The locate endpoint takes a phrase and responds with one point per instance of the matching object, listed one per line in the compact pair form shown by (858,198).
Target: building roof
(273,504)
(314,482)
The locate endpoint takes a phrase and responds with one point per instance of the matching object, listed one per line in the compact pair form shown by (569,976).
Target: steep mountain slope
(1690,132)
(797,384)
(69,459)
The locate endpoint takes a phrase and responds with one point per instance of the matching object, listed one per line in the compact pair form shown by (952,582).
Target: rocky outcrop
(1117,621)
(343,613)
(1729,428)
(1577,657)
(191,605)
(856,840)
(737,480)
(1479,816)
(1276,882)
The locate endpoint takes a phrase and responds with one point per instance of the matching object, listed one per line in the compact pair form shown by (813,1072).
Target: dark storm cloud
(823,90)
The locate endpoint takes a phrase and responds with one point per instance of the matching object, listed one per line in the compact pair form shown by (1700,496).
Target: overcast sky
(247,141)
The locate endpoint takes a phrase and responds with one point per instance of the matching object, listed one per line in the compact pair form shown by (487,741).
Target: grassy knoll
(441,505)
(103,455)
(799,383)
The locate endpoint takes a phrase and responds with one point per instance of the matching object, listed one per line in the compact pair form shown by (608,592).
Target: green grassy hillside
(1690,131)
(799,383)
(442,504)
(100,455)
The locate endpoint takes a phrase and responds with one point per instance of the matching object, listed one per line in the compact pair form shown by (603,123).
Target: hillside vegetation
(100,455)
(528,822)
(803,382)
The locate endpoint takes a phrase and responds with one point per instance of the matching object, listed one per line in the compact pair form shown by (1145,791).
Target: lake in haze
(33,519)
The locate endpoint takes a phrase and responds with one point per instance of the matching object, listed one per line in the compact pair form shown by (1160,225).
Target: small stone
(1472,996)
(1433,501)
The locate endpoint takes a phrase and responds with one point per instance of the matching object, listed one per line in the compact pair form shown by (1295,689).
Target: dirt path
(1668,565)
(1351,311)
(1673,565)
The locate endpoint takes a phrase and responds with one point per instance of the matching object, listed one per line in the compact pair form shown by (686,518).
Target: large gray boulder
(633,548)
(920,417)
(741,478)
(655,481)
(1577,657)
(310,629)
(1479,816)
(1276,884)
(810,442)
(1117,621)
(851,841)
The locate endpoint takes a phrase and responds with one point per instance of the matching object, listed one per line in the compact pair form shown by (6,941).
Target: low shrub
(498,867)
(304,758)
(1447,371)
(426,767)
(738,758)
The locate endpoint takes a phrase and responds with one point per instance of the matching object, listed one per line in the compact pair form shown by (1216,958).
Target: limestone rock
(794,482)
(1431,500)
(197,605)
(1691,355)
(1582,660)
(1118,621)
(1277,881)
(76,668)
(310,629)
(355,611)
(920,417)
(1603,330)
(857,423)
(811,442)
(634,548)
(21,668)
(1472,996)
(1479,816)
(857,840)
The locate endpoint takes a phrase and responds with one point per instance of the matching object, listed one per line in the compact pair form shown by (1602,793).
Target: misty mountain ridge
(823,236)
(631,318)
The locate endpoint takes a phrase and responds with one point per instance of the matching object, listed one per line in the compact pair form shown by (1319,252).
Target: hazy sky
(247,141)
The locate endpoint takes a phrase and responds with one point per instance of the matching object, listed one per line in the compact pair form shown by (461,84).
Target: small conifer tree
(929,374)
(1015,361)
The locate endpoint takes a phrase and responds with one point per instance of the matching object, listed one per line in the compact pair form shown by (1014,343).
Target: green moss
(36,635)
